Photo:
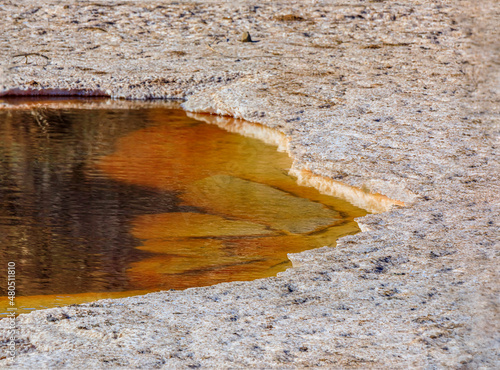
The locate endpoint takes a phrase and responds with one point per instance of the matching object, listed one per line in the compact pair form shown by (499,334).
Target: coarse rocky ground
(397,98)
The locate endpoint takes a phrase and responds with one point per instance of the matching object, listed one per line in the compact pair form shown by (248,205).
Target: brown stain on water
(240,211)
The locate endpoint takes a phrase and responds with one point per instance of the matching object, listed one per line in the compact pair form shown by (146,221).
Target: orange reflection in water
(249,213)
(242,212)
(173,156)
(184,263)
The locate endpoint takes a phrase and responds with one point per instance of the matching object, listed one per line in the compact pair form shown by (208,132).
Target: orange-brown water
(109,203)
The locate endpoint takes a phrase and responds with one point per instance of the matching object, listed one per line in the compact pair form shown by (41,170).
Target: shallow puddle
(98,203)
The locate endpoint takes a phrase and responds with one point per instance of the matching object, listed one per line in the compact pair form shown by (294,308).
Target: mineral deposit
(397,98)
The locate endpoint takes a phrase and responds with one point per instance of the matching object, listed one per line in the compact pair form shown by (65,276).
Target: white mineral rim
(380,97)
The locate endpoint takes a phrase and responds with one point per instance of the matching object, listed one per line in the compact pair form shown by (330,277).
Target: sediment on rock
(398,99)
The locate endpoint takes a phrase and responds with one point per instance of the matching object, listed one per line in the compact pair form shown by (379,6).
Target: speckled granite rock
(401,99)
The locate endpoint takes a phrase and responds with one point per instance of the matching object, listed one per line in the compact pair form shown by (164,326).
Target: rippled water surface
(98,203)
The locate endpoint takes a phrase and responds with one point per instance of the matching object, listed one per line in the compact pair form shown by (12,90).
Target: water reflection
(128,199)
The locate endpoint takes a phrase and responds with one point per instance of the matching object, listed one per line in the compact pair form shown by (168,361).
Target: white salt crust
(395,98)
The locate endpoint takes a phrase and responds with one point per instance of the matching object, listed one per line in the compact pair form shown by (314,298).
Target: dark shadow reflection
(63,223)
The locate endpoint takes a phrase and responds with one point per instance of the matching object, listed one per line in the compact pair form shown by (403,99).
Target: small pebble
(245,37)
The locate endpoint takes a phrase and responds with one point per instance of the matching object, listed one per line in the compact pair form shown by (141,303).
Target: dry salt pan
(392,98)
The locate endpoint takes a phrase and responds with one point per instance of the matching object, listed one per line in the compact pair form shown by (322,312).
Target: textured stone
(245,37)
(396,98)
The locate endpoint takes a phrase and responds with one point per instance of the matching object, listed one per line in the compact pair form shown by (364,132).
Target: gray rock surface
(397,98)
